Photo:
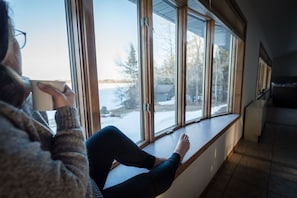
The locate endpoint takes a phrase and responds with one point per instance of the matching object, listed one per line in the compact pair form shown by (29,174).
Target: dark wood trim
(181,65)
(80,25)
(229,13)
(208,69)
(264,55)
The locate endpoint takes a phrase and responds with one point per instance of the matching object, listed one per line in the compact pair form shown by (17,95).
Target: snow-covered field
(129,123)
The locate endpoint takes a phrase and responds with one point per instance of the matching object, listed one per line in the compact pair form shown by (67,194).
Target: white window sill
(201,135)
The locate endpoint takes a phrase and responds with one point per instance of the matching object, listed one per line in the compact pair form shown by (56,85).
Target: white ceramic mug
(41,100)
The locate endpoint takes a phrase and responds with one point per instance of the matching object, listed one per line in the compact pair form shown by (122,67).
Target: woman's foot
(182,146)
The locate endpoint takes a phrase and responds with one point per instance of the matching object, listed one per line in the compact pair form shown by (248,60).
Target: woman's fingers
(60,99)
(49,89)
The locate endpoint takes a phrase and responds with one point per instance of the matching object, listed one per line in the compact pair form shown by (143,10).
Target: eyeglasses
(21,38)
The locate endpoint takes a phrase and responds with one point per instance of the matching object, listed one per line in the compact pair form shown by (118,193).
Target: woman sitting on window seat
(35,162)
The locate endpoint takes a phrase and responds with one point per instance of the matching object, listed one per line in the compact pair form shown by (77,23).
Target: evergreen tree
(131,69)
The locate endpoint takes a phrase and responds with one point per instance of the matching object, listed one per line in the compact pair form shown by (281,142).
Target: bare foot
(182,146)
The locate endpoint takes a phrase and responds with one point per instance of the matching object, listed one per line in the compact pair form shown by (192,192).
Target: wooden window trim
(147,74)
(208,69)
(181,65)
(79,15)
(238,76)
(83,61)
(264,55)
(227,12)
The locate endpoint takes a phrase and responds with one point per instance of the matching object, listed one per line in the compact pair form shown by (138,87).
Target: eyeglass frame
(19,32)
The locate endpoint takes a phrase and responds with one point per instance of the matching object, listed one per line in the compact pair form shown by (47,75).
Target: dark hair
(4,31)
(13,89)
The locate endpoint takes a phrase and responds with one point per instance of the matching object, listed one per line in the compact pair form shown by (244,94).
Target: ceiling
(278,19)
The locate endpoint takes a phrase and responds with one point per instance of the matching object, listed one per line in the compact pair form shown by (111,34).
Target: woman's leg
(155,182)
(111,144)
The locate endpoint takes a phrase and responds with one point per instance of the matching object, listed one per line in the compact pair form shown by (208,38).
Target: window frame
(231,68)
(177,84)
(80,25)
(139,25)
(81,38)
(263,73)
(207,43)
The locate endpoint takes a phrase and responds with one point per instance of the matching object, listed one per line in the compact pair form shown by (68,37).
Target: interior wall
(192,182)
(285,65)
(254,36)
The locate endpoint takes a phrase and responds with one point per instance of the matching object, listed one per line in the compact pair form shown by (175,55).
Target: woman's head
(13,88)
(10,53)
(3,29)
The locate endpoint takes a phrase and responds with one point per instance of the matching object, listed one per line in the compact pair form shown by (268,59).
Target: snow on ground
(129,123)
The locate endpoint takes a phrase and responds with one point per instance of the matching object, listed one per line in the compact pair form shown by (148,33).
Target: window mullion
(208,69)
(83,62)
(231,95)
(181,65)
(146,48)
(238,76)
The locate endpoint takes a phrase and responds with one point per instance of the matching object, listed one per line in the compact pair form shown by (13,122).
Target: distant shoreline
(113,81)
(108,81)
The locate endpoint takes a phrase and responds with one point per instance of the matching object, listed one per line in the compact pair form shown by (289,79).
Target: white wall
(195,178)
(254,36)
(285,65)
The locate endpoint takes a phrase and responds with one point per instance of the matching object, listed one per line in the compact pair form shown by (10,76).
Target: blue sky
(45,55)
(116,29)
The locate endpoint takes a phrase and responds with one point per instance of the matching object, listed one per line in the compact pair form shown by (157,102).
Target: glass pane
(222,67)
(195,67)
(45,55)
(118,65)
(164,22)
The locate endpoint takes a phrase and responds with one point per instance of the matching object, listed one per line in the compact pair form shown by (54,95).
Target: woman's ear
(12,87)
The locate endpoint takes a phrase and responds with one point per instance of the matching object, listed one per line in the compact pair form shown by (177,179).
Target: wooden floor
(266,169)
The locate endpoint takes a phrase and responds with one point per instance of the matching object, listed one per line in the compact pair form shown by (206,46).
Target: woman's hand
(60,99)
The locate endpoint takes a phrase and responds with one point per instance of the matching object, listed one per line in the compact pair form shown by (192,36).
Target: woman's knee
(110,131)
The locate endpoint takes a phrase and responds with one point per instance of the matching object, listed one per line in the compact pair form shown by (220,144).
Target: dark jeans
(111,144)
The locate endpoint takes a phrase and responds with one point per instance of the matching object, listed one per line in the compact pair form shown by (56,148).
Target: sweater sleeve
(28,171)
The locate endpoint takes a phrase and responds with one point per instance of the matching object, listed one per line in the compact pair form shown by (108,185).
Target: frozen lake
(109,94)
(129,123)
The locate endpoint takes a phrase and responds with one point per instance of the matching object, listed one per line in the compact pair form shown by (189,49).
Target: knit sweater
(36,163)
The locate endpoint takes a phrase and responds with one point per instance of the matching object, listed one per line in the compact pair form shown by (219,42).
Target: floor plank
(264,169)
